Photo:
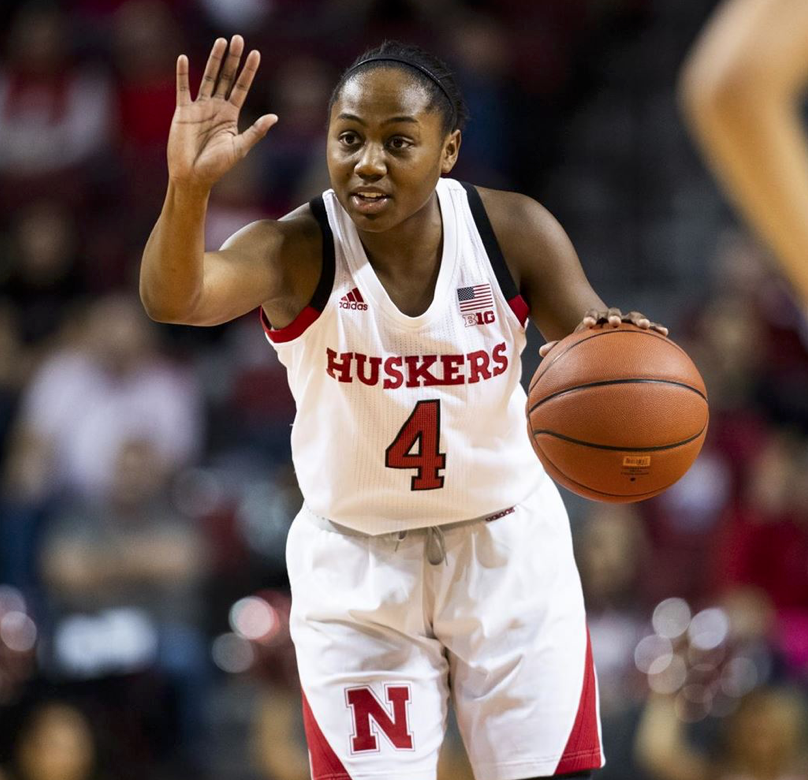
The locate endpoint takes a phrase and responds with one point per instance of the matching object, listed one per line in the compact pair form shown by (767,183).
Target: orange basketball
(617,414)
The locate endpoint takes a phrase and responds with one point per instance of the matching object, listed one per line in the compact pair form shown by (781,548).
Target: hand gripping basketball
(613,317)
(617,412)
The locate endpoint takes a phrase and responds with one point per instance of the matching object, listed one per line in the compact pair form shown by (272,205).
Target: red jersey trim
(325,764)
(294,329)
(520,308)
(583,746)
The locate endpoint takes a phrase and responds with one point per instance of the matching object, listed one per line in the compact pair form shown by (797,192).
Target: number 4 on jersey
(422,433)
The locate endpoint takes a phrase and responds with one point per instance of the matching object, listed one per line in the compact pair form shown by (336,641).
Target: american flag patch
(475,298)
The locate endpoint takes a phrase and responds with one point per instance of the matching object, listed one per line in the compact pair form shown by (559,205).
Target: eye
(399,143)
(349,138)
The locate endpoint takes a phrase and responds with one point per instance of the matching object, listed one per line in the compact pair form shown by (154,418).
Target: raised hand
(611,317)
(204,142)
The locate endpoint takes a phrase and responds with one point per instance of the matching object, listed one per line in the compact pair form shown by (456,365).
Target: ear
(451,148)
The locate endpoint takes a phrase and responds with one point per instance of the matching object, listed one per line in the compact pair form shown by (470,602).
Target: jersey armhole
(503,275)
(324,286)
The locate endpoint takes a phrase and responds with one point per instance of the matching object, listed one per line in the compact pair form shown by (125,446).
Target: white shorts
(384,638)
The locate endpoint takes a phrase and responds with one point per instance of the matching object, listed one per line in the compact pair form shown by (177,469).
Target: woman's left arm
(547,271)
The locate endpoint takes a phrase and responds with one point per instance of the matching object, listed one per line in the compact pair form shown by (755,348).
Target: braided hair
(432,73)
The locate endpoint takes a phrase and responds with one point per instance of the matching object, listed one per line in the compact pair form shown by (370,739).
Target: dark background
(146,487)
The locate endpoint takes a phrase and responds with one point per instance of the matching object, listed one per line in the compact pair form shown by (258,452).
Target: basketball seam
(604,333)
(619,449)
(607,382)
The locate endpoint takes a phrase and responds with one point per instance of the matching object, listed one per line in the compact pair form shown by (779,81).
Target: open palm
(204,142)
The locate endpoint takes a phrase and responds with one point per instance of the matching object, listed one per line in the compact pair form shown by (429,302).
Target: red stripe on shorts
(325,764)
(583,746)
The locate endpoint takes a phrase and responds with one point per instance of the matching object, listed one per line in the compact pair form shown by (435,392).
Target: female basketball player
(432,557)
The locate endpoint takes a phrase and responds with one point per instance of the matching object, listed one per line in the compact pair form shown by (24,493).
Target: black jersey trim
(322,292)
(489,238)
(326,284)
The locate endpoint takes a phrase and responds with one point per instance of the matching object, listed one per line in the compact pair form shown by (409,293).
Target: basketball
(617,414)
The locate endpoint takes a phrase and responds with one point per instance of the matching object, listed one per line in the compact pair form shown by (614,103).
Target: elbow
(156,311)
(170,310)
(710,98)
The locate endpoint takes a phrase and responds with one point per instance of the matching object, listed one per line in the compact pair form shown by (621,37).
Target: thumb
(545,348)
(256,131)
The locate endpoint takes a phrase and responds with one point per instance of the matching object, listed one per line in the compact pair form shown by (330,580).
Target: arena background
(146,486)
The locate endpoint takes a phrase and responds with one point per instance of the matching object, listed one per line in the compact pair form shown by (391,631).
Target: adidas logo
(353,300)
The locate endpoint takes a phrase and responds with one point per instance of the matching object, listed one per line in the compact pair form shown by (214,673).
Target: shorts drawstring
(435,534)
(435,545)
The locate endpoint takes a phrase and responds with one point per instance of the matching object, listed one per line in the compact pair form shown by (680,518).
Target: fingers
(242,86)
(594,317)
(545,348)
(614,317)
(255,132)
(183,90)
(591,318)
(230,67)
(638,319)
(641,321)
(212,69)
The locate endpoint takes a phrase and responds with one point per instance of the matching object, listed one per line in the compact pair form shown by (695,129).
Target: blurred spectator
(55,742)
(12,373)
(611,548)
(763,547)
(44,279)
(481,55)
(124,574)
(18,645)
(54,112)
(86,400)
(235,202)
(90,397)
(764,739)
(294,160)
(146,41)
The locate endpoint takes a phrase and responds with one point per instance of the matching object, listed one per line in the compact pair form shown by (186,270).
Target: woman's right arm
(179,281)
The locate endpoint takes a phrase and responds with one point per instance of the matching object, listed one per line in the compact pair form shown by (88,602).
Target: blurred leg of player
(740,88)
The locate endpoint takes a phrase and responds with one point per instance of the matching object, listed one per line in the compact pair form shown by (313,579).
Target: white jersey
(404,422)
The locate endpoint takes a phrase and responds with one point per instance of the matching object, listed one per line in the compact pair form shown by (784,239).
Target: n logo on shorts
(371,716)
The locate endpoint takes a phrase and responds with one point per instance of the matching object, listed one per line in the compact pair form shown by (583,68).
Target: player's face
(386,148)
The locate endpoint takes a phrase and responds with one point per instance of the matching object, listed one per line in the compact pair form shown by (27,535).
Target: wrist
(187,192)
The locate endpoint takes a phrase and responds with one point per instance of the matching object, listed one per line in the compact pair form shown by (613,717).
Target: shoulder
(296,232)
(290,249)
(512,211)
(527,232)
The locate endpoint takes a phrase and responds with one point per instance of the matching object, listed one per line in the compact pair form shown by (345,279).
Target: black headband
(426,71)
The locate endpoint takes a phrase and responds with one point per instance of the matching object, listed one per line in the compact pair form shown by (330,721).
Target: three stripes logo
(353,300)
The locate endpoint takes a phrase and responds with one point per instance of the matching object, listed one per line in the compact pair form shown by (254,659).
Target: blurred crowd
(146,489)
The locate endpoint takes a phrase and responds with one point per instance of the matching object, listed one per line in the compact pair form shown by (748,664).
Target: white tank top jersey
(404,422)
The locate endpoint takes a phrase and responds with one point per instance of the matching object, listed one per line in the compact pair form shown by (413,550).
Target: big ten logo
(479,318)
(372,717)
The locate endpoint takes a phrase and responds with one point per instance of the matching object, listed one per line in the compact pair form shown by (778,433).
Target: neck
(412,246)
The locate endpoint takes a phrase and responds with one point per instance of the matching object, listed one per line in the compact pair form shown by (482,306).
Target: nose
(371,163)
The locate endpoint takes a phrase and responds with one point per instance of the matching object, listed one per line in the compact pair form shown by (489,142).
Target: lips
(369,201)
